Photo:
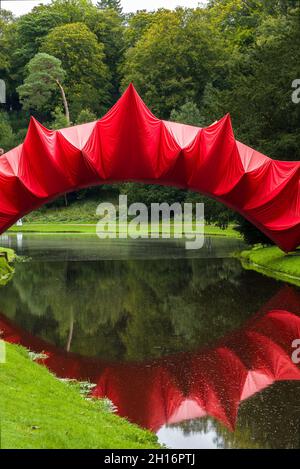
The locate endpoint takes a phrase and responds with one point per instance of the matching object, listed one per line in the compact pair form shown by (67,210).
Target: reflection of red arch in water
(209,382)
(129,143)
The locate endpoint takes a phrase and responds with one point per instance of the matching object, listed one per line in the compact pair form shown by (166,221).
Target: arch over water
(130,144)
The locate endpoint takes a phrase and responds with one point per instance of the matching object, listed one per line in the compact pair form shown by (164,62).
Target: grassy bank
(6,271)
(80,211)
(80,217)
(39,411)
(10,254)
(273,262)
(210,230)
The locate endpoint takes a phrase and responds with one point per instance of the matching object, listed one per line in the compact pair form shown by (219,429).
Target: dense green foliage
(173,60)
(44,71)
(6,133)
(83,55)
(192,65)
(112,4)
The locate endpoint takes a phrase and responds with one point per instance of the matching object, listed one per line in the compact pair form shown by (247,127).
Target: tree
(188,113)
(23,37)
(250,233)
(109,28)
(45,74)
(172,61)
(256,85)
(237,19)
(87,76)
(7,25)
(138,23)
(110,4)
(5,19)
(59,119)
(33,27)
(150,193)
(85,116)
(6,133)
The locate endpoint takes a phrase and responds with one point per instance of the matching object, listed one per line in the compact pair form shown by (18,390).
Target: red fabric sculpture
(207,382)
(130,144)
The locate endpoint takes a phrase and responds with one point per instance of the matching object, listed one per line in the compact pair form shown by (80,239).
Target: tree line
(67,62)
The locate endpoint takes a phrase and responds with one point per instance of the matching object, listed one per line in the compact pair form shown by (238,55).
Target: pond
(185,343)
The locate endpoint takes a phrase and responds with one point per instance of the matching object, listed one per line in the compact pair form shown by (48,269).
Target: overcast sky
(19,7)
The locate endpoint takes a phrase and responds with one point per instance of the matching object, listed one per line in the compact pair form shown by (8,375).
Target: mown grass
(39,411)
(210,230)
(80,217)
(273,262)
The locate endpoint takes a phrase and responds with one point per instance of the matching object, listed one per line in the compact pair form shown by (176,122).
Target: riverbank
(40,411)
(49,413)
(6,271)
(209,230)
(273,262)
(10,253)
(80,217)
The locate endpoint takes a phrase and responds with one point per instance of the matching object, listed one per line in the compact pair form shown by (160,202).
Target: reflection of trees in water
(6,272)
(134,309)
(270,419)
(190,427)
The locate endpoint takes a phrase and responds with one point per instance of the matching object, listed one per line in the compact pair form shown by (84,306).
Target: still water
(184,343)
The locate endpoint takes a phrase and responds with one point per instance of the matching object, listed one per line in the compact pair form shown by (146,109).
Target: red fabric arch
(130,144)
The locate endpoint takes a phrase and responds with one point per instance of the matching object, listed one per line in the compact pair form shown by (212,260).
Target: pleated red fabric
(208,382)
(130,144)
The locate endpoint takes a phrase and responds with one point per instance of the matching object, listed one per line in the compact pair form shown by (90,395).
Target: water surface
(185,343)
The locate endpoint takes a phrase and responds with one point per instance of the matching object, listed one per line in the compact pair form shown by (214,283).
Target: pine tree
(113,4)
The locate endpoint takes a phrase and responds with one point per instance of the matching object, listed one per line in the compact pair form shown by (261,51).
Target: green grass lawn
(80,217)
(273,262)
(39,411)
(211,230)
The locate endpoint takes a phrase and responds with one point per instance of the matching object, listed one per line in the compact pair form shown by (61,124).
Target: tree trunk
(66,106)
(70,337)
(67,114)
